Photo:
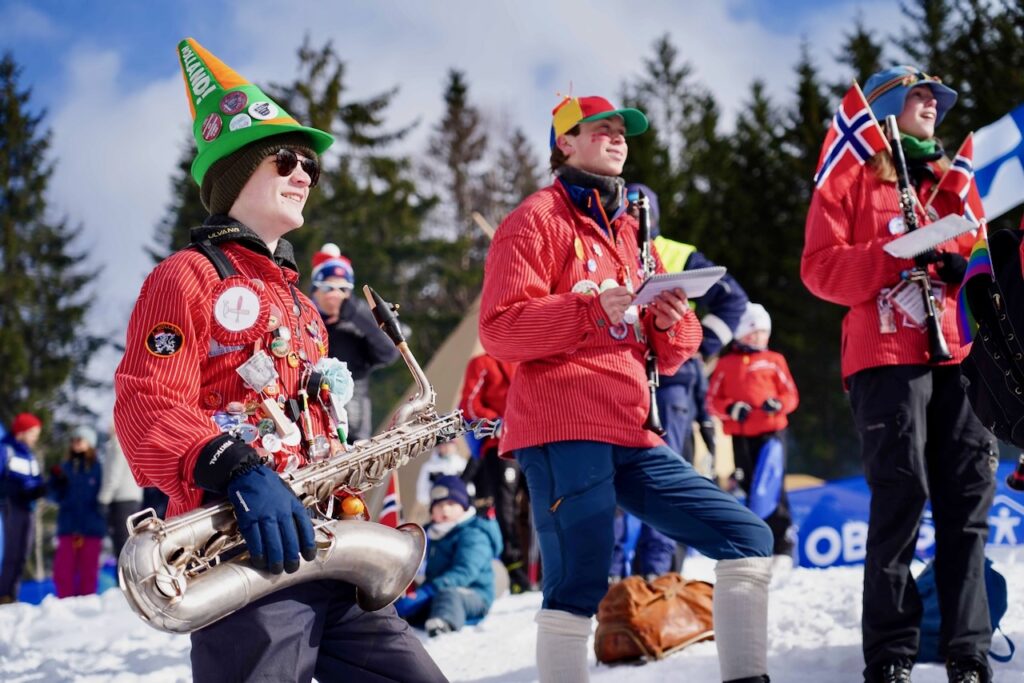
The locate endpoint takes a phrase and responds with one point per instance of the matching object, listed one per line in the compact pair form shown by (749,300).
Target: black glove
(707,435)
(58,481)
(275,526)
(952,268)
(771,405)
(927,258)
(738,411)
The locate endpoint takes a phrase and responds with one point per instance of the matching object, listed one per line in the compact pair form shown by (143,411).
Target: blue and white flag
(999,163)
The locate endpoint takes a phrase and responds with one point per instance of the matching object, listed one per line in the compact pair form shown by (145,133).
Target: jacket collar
(220,228)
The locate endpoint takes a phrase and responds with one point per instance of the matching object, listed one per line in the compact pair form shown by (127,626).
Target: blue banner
(832,521)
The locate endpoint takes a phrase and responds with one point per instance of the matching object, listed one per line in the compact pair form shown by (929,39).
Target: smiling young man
(210,392)
(556,299)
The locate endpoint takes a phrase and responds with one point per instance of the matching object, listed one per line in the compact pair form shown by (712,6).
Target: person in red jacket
(556,299)
(497,481)
(919,436)
(212,392)
(752,391)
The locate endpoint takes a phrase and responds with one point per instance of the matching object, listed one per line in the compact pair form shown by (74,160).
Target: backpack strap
(217,257)
(1013,648)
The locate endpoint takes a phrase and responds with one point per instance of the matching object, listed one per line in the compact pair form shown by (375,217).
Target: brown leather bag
(651,620)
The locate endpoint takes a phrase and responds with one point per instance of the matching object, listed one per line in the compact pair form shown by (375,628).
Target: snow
(814,635)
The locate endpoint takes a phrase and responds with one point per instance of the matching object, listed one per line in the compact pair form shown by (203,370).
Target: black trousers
(117,517)
(19,532)
(921,440)
(746,452)
(311,629)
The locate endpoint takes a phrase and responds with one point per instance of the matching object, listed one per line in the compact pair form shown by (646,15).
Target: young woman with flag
(920,438)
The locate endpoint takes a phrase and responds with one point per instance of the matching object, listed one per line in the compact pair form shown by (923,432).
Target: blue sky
(107,74)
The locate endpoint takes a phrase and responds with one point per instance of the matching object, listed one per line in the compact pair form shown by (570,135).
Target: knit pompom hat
(23,422)
(225,179)
(328,262)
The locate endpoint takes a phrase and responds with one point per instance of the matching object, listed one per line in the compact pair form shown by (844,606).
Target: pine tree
(44,346)
(862,54)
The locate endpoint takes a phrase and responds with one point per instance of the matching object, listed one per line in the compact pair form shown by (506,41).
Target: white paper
(694,282)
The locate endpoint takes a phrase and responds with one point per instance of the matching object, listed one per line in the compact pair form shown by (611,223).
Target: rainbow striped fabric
(978,264)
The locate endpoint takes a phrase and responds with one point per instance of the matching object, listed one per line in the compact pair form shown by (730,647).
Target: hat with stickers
(229,113)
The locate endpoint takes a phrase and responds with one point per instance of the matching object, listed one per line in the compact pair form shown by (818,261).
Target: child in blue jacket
(459,583)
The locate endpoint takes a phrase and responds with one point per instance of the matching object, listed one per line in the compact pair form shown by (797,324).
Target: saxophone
(189,571)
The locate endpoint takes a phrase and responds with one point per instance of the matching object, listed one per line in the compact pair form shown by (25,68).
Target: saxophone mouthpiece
(386,315)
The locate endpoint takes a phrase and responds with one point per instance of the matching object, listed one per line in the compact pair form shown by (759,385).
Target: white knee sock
(741,616)
(562,647)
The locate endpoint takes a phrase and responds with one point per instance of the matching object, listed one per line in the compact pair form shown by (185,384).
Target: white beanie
(754,318)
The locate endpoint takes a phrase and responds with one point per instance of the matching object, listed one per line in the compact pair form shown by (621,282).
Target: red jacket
(575,380)
(166,399)
(752,378)
(485,391)
(843,262)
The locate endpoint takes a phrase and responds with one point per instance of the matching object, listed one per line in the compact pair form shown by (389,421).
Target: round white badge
(586,287)
(608,283)
(237,308)
(263,110)
(897,226)
(239,122)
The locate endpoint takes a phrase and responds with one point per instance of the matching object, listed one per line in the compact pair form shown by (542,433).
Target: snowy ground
(814,635)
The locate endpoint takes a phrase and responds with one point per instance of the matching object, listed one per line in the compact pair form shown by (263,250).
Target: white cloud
(27,22)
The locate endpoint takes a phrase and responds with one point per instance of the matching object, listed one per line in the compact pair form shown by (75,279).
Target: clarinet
(938,349)
(643,236)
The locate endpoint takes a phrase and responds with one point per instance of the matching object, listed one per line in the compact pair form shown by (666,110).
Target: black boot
(897,671)
(967,671)
(763,678)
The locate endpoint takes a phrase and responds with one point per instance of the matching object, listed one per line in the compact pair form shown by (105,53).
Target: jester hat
(229,112)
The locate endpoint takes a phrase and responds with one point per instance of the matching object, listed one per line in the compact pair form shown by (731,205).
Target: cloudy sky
(106,72)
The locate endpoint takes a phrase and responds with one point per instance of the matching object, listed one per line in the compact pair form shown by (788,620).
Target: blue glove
(411,603)
(271,519)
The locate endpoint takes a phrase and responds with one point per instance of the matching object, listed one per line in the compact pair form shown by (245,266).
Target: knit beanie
(328,262)
(86,433)
(225,179)
(755,317)
(23,422)
(450,488)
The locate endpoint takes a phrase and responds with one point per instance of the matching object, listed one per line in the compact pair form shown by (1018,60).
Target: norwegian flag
(960,179)
(852,139)
(391,511)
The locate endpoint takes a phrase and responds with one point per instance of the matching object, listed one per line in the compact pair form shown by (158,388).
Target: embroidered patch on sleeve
(165,340)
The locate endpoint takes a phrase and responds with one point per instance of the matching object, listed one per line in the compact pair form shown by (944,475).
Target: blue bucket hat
(633,193)
(887,90)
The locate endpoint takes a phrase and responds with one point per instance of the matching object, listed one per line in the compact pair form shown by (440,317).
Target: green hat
(229,112)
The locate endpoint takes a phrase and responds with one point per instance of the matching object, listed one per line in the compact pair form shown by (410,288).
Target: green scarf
(917,149)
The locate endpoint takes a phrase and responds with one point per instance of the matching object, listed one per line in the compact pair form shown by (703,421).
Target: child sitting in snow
(459,584)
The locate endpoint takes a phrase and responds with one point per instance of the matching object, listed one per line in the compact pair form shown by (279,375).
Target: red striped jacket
(752,377)
(485,391)
(576,379)
(165,401)
(843,262)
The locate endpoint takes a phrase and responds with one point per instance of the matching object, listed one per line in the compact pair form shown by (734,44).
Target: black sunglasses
(286,160)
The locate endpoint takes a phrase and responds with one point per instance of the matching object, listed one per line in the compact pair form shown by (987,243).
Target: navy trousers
(312,629)
(574,488)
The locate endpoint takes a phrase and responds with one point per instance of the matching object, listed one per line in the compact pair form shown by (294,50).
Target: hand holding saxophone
(275,525)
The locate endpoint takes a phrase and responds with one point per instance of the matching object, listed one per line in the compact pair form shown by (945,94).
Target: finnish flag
(999,163)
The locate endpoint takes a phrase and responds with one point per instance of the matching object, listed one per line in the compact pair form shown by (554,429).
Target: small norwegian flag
(961,181)
(391,510)
(852,139)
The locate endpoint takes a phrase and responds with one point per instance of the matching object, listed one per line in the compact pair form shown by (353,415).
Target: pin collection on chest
(284,385)
(592,256)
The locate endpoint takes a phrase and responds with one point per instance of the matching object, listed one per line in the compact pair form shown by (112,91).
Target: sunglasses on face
(286,160)
(328,287)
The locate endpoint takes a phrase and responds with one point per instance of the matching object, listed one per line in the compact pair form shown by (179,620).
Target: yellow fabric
(567,116)
(674,255)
